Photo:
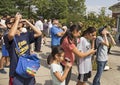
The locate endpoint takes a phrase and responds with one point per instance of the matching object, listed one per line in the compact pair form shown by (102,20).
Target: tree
(52,8)
(76,9)
(7,7)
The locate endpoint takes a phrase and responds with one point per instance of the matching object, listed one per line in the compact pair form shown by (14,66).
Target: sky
(95,5)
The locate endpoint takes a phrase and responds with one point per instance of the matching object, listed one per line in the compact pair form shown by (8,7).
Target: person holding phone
(58,74)
(68,43)
(85,64)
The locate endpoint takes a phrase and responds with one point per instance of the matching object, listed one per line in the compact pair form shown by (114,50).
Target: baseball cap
(101,29)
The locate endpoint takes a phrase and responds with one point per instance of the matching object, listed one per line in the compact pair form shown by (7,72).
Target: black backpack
(96,47)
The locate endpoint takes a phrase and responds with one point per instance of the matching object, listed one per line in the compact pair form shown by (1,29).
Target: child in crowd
(68,43)
(102,55)
(23,41)
(85,66)
(57,73)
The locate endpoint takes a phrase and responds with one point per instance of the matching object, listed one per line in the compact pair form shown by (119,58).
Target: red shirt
(68,50)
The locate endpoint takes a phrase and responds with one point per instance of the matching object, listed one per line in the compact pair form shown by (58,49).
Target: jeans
(17,80)
(100,68)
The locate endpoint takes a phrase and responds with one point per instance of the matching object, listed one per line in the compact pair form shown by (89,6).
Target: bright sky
(95,5)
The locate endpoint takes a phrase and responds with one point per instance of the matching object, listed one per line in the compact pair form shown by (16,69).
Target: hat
(101,29)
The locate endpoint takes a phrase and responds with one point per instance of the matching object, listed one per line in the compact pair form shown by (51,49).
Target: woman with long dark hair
(85,64)
(68,43)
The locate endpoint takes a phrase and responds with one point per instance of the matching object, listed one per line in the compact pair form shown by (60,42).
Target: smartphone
(67,60)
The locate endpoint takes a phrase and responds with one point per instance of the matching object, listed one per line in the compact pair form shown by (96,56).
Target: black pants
(38,43)
(67,80)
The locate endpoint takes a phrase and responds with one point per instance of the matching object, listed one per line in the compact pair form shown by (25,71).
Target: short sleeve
(54,68)
(99,40)
(6,41)
(81,44)
(55,31)
(68,45)
(71,46)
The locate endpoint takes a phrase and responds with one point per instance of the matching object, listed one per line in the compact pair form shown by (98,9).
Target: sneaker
(106,68)
(3,71)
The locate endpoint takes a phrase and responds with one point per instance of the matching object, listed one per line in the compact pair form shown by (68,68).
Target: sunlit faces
(10,24)
(92,35)
(104,31)
(76,33)
(20,25)
(60,57)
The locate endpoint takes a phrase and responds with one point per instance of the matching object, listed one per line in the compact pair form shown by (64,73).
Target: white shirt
(24,30)
(84,63)
(49,25)
(39,24)
(56,68)
(3,23)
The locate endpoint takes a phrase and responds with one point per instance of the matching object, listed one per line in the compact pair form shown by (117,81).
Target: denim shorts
(4,51)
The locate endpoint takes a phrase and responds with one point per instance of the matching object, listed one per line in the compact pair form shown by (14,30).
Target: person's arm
(112,39)
(93,43)
(13,29)
(81,54)
(61,33)
(63,77)
(79,50)
(105,41)
(37,32)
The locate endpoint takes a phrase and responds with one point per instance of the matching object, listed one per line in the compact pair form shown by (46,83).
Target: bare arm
(61,33)
(63,77)
(13,29)
(112,39)
(81,54)
(37,32)
(93,44)
(105,42)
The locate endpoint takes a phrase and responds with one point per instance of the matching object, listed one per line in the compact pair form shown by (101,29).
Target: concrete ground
(43,77)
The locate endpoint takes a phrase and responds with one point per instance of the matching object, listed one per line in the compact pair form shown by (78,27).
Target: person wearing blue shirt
(23,40)
(56,34)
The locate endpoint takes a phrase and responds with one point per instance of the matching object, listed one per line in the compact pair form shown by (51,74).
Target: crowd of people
(66,45)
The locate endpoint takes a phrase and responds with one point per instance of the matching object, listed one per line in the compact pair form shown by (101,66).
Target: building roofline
(114,6)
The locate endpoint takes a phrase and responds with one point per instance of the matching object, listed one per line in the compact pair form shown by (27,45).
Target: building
(116,14)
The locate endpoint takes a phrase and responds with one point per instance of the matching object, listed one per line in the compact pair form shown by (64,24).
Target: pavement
(43,77)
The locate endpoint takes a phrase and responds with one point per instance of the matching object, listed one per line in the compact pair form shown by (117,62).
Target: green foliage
(76,9)
(52,8)
(65,10)
(7,7)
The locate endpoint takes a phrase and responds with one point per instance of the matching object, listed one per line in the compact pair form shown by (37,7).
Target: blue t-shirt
(23,41)
(55,39)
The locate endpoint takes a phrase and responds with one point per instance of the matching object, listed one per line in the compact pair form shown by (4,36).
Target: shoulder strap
(17,48)
(97,46)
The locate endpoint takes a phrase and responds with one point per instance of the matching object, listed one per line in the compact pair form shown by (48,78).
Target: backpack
(96,46)
(94,64)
